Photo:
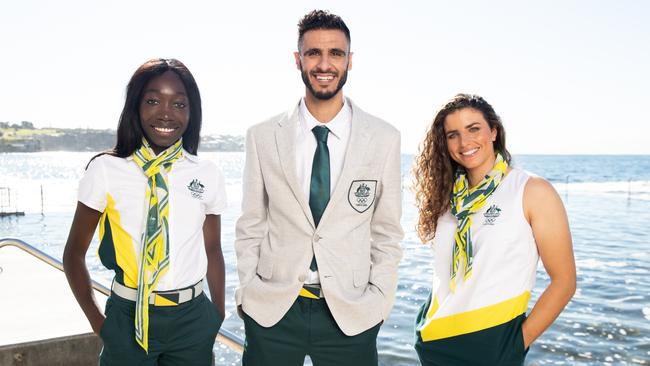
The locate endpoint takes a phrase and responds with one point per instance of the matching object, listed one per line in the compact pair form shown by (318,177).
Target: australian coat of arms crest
(362,194)
(196,188)
(491,215)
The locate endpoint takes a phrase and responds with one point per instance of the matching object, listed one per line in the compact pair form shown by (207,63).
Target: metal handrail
(230,339)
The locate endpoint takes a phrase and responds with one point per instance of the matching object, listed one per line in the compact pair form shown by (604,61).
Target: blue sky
(565,76)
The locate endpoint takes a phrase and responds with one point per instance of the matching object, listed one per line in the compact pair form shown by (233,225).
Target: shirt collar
(337,125)
(190,157)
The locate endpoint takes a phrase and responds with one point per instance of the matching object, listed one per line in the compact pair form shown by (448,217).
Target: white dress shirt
(337,144)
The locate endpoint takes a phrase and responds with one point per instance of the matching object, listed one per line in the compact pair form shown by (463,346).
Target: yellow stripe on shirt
(122,242)
(474,320)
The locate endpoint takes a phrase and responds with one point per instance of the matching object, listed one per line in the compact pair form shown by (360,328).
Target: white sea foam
(638,190)
(624,299)
(593,263)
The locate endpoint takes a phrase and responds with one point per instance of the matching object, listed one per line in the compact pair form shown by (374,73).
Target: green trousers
(308,328)
(178,335)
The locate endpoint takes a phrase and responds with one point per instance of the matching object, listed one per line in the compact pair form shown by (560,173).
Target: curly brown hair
(434,168)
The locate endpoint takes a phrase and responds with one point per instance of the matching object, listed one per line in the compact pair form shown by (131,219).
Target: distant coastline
(24,137)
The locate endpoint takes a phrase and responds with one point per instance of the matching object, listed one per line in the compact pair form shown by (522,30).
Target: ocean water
(607,199)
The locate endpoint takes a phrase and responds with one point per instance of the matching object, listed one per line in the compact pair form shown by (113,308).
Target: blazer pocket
(360,277)
(265,269)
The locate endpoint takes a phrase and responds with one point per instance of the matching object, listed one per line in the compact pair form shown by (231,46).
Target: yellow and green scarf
(154,252)
(466,201)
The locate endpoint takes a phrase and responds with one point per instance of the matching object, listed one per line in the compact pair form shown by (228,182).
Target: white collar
(337,125)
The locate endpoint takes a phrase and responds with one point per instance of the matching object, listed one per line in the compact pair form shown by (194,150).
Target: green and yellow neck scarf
(464,202)
(154,252)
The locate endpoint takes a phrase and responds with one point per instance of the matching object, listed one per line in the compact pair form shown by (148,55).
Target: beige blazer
(356,243)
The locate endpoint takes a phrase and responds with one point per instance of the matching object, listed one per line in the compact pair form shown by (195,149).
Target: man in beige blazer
(318,240)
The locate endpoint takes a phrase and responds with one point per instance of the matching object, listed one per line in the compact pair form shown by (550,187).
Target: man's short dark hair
(321,19)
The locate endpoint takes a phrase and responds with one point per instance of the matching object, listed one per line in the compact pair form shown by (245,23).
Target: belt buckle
(310,292)
(165,298)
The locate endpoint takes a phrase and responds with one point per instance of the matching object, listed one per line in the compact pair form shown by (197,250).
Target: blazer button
(302,278)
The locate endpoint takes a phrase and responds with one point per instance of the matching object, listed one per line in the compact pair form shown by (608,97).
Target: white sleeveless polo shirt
(503,271)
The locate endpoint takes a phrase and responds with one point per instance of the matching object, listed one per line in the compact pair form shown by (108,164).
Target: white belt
(160,298)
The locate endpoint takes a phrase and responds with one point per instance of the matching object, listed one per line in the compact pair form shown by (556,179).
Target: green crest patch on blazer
(361,194)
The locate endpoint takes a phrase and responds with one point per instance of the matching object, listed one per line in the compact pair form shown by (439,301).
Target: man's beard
(324,95)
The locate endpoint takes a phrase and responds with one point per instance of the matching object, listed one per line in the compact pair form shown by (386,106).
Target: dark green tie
(319,188)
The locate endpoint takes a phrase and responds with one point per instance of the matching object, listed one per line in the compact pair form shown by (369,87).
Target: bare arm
(216,272)
(545,213)
(74,263)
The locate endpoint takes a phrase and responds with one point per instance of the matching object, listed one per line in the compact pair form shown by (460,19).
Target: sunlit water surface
(607,199)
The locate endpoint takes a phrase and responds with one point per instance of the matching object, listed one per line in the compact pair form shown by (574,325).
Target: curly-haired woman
(489,223)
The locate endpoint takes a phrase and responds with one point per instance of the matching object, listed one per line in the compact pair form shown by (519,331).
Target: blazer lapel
(285,138)
(354,157)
